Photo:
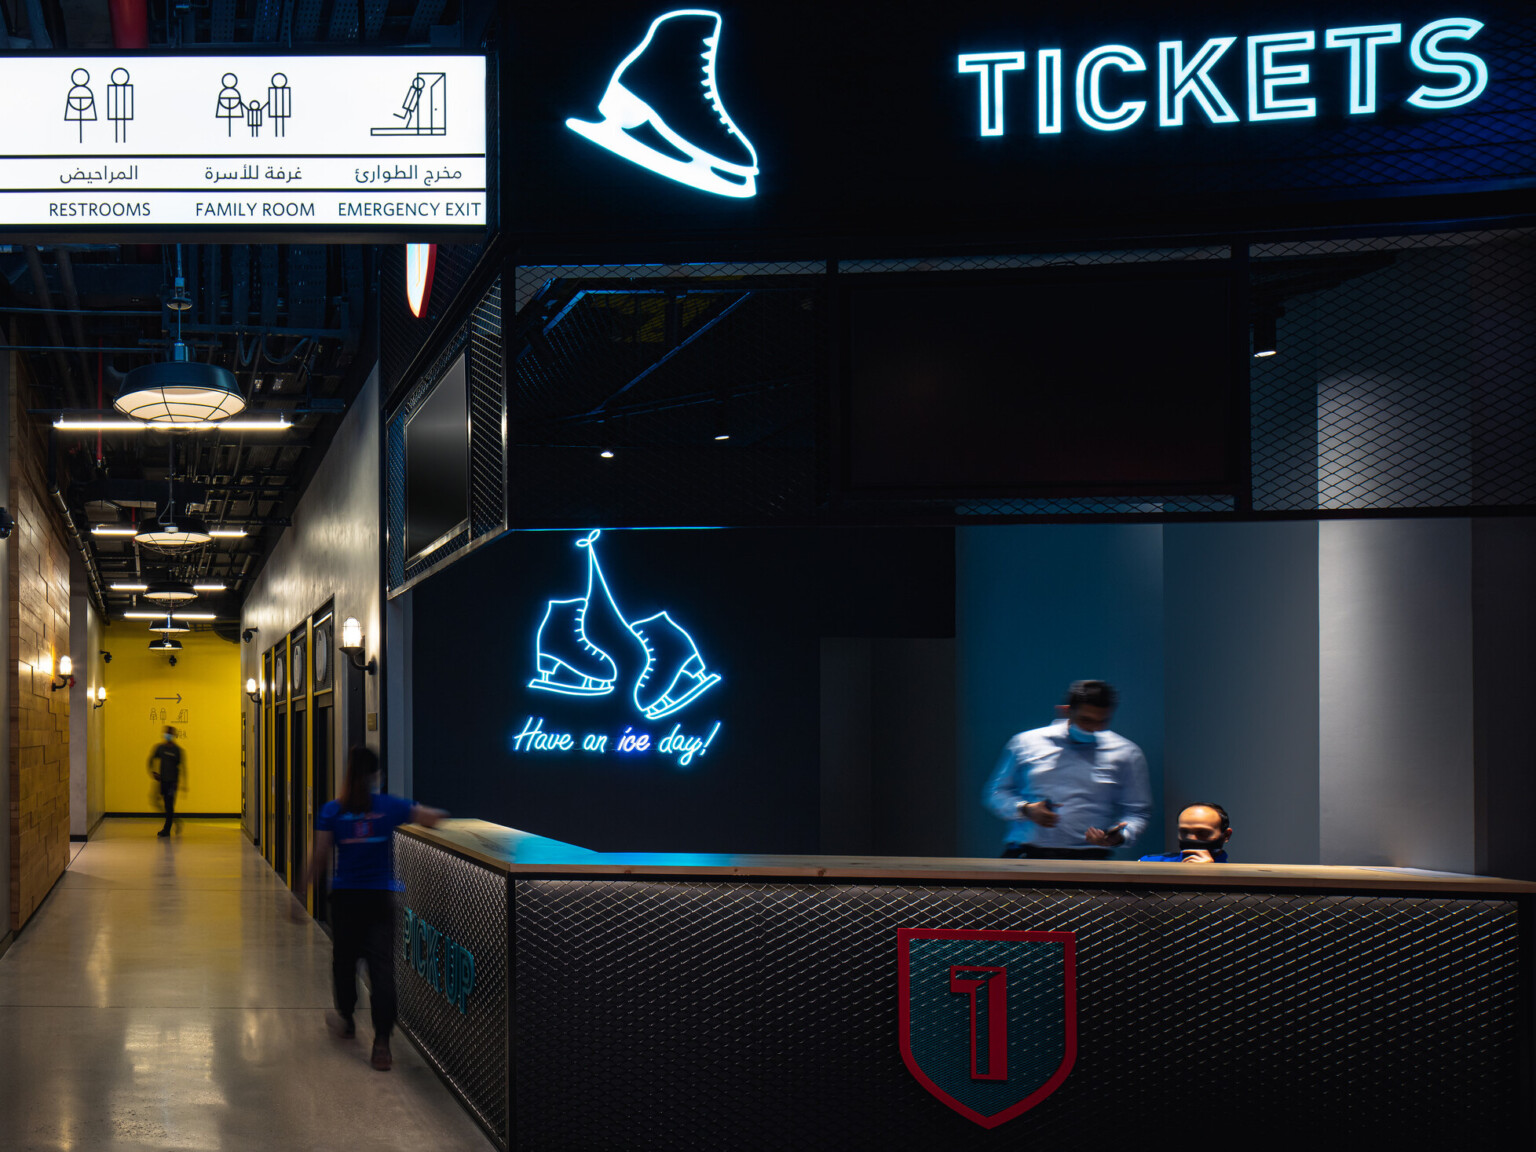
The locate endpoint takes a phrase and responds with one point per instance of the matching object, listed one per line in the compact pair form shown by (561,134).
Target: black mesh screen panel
(402,336)
(1404,375)
(764,1016)
(456,1013)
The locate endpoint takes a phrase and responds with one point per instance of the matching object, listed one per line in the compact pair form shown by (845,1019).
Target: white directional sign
(324,142)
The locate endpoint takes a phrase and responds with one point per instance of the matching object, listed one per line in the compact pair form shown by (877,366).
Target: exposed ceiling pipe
(55,335)
(72,299)
(130,23)
(98,592)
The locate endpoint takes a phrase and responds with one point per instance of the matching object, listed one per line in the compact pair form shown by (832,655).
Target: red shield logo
(988,1019)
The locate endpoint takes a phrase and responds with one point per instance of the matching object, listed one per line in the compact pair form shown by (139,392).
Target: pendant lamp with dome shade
(179,390)
(170,592)
(170,533)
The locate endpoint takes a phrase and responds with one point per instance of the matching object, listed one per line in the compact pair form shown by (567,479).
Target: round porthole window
(323,644)
(298,667)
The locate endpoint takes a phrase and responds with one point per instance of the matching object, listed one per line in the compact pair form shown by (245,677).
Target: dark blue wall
(1041,606)
(757,603)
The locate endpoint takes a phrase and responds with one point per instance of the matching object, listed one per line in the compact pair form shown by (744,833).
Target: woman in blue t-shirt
(360,824)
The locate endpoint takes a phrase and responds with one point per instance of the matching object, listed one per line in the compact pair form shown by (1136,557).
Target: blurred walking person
(165,765)
(360,825)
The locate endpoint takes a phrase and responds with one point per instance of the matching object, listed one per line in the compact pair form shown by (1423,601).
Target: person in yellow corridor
(167,764)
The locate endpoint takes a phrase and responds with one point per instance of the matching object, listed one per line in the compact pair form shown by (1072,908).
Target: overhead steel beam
(138,314)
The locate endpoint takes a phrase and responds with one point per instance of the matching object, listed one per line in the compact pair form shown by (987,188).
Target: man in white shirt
(1072,790)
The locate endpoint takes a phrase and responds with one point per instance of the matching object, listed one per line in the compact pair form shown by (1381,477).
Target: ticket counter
(581,1000)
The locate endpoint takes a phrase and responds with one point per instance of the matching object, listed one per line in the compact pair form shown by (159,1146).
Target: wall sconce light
(352,645)
(66,674)
(101,697)
(253,690)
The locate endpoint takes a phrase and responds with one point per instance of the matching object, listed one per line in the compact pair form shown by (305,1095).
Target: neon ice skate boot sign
(669,87)
(1278,67)
(585,649)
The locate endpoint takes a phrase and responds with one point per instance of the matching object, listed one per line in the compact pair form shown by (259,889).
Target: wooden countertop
(523,853)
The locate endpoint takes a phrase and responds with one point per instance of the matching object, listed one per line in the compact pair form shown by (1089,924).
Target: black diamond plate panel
(764,1016)
(467,903)
(487,397)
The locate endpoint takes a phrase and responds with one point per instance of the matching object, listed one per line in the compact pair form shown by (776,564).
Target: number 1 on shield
(990,984)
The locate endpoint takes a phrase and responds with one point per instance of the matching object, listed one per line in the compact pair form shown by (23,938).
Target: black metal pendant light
(171,534)
(170,591)
(180,390)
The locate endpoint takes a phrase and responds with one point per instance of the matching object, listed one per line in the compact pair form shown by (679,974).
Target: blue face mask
(1076,734)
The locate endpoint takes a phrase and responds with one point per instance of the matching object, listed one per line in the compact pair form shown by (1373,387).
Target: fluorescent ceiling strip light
(130,587)
(108,530)
(64,424)
(208,587)
(173,615)
(226,532)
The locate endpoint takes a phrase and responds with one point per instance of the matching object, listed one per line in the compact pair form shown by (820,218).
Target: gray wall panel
(1395,693)
(331,550)
(1241,683)
(87,740)
(1504,659)
(846,746)
(6,592)
(887,746)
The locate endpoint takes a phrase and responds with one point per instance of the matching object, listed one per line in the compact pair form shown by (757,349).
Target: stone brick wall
(38,556)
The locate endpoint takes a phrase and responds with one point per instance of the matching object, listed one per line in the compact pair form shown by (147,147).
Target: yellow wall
(141,699)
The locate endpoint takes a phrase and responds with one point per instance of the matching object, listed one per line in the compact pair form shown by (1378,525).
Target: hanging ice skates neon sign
(1278,68)
(586,648)
(661,87)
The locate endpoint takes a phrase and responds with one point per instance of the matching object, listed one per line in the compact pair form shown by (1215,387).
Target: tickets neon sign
(1278,67)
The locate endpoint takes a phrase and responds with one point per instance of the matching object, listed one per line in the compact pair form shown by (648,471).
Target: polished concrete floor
(162,998)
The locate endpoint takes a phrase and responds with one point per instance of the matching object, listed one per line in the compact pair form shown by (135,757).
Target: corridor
(162,999)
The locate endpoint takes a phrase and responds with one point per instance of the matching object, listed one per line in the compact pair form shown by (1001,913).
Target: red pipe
(130,23)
